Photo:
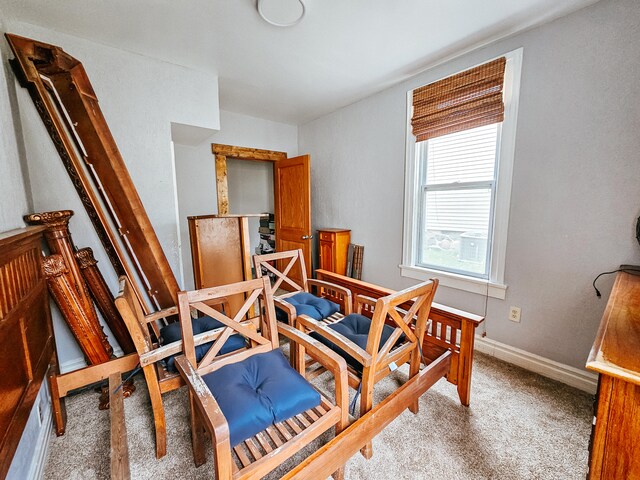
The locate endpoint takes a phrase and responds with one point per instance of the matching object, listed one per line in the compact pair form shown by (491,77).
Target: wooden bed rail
(451,329)
(339,450)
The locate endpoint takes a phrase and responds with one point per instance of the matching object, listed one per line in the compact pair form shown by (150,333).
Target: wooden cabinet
(615,449)
(334,244)
(220,252)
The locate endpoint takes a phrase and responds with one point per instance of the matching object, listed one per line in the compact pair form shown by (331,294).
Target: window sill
(459,282)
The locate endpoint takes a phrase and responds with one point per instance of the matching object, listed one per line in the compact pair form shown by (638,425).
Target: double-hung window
(460,142)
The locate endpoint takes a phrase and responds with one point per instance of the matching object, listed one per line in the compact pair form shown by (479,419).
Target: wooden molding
(245,153)
(221,152)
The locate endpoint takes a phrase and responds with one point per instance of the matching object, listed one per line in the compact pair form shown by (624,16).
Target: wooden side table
(614,449)
(334,244)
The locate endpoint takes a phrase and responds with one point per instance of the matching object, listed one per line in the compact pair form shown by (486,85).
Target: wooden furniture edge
(336,453)
(120,469)
(436,308)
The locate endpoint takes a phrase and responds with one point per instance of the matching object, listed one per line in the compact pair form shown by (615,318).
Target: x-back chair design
(256,409)
(375,347)
(289,303)
(158,377)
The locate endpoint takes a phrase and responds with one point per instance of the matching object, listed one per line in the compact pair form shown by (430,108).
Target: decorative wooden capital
(85,258)
(54,266)
(57,222)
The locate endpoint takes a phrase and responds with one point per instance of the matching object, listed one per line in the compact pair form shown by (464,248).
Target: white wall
(139,97)
(576,190)
(15,203)
(13,174)
(250,183)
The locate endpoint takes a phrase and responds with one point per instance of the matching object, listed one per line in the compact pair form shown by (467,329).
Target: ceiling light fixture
(281,24)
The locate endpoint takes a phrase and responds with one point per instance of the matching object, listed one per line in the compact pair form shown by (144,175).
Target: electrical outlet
(514,314)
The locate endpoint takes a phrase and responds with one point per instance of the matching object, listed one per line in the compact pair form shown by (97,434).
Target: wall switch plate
(514,314)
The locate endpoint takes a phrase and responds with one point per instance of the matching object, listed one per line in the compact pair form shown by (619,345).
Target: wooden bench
(450,329)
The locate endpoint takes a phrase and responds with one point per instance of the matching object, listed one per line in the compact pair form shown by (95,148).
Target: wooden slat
(264,442)
(294,426)
(253,448)
(303,420)
(242,456)
(284,431)
(119,448)
(313,415)
(275,437)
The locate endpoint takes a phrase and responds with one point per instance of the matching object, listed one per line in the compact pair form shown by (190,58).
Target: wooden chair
(159,379)
(222,398)
(391,338)
(282,265)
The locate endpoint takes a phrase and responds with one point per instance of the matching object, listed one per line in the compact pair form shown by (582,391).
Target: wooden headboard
(26,339)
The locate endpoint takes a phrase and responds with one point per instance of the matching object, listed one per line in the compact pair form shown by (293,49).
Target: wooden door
(292,190)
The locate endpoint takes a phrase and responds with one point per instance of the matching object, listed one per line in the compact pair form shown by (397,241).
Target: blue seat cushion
(258,392)
(356,328)
(172,333)
(308,304)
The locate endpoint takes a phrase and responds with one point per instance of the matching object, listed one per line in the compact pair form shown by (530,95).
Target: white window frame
(494,286)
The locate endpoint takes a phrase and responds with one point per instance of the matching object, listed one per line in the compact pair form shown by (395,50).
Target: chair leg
(414,369)
(338,474)
(366,402)
(158,410)
(198,436)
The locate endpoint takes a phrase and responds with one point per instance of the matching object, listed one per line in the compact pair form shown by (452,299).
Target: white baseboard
(575,377)
(40,456)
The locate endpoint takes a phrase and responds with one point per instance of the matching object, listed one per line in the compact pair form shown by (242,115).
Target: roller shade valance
(469,99)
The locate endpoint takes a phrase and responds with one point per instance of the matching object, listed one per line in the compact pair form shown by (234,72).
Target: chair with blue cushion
(157,351)
(295,294)
(381,336)
(315,298)
(255,407)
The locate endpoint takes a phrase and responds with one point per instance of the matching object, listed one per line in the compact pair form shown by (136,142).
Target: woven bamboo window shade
(466,100)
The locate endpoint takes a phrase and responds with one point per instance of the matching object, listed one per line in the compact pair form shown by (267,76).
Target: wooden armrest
(167,312)
(337,288)
(204,400)
(285,306)
(327,358)
(362,356)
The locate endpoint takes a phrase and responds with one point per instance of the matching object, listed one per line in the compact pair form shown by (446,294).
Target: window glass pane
(467,156)
(455,226)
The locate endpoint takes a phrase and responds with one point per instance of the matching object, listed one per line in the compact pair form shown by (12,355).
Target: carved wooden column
(103,298)
(68,287)
(58,238)
(85,328)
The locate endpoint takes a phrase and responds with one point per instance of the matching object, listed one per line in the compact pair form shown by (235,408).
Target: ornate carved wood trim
(26,335)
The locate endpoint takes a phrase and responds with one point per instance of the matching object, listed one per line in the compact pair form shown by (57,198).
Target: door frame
(222,152)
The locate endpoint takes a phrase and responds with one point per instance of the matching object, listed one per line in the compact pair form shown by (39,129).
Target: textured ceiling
(342,51)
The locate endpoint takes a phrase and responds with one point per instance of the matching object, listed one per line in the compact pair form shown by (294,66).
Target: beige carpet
(519,426)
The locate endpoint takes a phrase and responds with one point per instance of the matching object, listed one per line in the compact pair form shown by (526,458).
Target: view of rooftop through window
(458,179)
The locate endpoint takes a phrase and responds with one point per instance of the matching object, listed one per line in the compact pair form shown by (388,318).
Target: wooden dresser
(615,438)
(334,244)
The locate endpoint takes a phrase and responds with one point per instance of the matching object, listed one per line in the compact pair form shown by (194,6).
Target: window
(458,181)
